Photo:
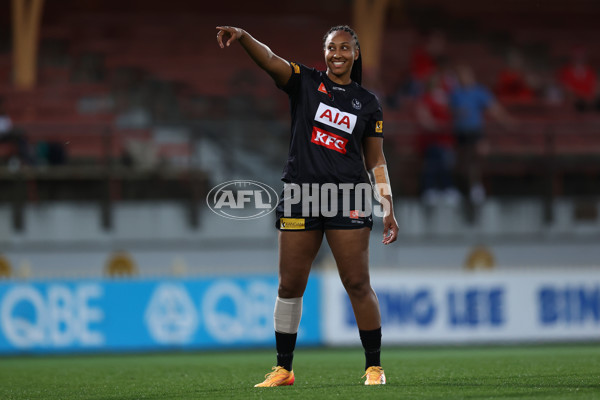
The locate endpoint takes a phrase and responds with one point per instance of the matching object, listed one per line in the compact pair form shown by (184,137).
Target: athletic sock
(371,341)
(285,343)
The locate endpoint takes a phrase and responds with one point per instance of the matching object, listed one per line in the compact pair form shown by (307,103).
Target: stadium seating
(95,56)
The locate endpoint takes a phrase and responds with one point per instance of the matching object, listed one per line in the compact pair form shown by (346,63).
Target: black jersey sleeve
(293,84)
(374,127)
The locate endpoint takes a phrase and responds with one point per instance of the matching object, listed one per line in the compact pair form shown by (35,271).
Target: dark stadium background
(134,114)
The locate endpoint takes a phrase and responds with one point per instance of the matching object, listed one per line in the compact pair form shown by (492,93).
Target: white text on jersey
(333,117)
(329,140)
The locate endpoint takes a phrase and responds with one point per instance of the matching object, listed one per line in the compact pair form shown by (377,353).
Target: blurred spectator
(50,153)
(425,60)
(436,144)
(426,56)
(468,103)
(514,81)
(551,92)
(579,81)
(6,125)
(14,136)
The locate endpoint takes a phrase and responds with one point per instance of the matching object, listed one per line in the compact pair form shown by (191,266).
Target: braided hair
(356,72)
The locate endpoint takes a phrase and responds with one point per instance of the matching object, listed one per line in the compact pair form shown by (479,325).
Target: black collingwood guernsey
(329,123)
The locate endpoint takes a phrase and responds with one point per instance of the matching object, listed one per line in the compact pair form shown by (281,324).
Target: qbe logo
(171,316)
(242,199)
(53,316)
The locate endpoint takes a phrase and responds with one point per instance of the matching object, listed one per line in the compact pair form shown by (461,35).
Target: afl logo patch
(356,104)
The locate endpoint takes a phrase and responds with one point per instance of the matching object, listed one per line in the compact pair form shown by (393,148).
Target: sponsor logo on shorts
(333,117)
(355,214)
(242,199)
(292,224)
(379,126)
(329,140)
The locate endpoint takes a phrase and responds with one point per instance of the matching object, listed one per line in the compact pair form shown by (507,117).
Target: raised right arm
(279,69)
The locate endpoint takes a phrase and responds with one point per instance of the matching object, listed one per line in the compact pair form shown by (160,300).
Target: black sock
(371,341)
(285,343)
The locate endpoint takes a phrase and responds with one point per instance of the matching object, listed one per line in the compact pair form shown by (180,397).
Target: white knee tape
(287,315)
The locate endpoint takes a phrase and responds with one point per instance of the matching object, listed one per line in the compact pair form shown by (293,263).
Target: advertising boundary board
(471,307)
(145,315)
(73,316)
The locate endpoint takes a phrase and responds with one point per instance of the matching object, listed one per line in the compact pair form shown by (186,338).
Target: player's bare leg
(350,249)
(297,251)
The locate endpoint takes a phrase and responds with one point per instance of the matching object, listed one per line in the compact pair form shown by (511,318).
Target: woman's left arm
(377,169)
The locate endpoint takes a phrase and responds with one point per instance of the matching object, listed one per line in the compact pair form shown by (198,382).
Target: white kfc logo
(329,140)
(333,117)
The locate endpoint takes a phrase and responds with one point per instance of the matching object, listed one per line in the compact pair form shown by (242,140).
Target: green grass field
(512,372)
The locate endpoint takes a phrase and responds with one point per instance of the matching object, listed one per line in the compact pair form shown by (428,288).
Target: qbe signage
(72,316)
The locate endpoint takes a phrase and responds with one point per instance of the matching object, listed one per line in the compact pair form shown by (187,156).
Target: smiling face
(340,53)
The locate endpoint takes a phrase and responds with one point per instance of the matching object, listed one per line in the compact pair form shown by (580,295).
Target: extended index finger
(229,30)
(220,33)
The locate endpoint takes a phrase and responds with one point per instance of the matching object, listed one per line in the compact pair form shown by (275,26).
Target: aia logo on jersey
(329,140)
(333,117)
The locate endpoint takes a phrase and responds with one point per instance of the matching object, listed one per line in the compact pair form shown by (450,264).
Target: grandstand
(142,110)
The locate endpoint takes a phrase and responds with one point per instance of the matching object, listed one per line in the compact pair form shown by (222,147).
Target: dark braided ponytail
(356,73)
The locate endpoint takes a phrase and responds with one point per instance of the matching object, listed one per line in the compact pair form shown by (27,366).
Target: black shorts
(353,212)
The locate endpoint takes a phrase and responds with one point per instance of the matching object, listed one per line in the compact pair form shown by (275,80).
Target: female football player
(336,138)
